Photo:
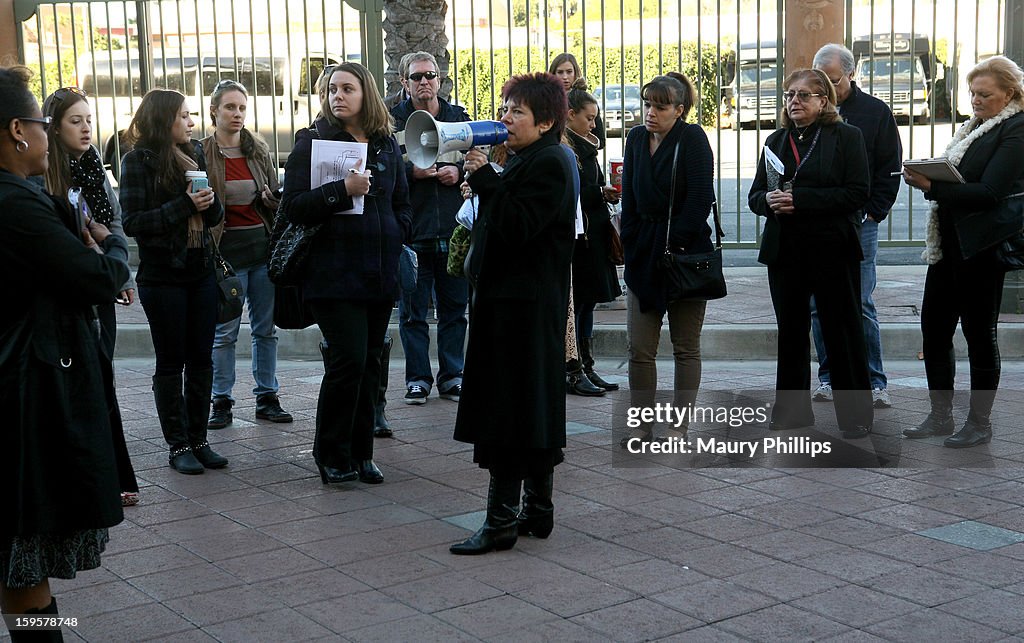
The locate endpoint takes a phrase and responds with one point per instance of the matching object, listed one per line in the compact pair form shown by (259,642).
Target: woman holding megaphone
(350,276)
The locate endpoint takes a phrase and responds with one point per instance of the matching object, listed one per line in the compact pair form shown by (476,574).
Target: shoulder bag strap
(672,198)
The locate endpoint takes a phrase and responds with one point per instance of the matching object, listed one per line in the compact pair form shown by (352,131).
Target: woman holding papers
(811,183)
(358,193)
(964,284)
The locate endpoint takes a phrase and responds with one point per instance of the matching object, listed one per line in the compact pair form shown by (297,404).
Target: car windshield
(885,67)
(749,72)
(614,94)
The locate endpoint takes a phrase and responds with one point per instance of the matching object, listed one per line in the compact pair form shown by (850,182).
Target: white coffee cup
(198,179)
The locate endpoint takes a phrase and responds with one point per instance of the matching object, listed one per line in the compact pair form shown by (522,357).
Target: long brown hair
(253,146)
(820,83)
(151,129)
(58,172)
(374,116)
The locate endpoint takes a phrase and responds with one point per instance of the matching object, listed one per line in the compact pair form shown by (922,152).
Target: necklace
(801,132)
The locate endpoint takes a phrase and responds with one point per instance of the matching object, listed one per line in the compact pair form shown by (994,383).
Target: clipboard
(936,169)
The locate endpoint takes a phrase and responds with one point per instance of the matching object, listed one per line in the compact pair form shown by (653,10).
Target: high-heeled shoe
(330,475)
(368,472)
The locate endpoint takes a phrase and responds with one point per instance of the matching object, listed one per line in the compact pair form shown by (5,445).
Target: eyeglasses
(420,75)
(803,96)
(227,82)
(836,83)
(44,121)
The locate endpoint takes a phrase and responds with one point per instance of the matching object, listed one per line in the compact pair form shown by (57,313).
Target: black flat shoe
(330,475)
(368,472)
(383,432)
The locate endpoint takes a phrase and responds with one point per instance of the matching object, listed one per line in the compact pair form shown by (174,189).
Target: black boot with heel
(170,408)
(537,517)
(941,373)
(501,527)
(586,346)
(978,428)
(381,426)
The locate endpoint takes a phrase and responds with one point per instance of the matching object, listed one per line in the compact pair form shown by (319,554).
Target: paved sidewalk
(262,551)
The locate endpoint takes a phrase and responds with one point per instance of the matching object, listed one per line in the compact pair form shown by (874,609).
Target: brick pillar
(809,25)
(8,34)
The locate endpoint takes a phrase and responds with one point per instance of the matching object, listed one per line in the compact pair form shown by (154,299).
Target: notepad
(937,169)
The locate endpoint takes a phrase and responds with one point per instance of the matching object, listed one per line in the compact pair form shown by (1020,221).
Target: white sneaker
(823,394)
(880,398)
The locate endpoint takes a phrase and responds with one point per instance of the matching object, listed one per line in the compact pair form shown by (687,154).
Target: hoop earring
(18,146)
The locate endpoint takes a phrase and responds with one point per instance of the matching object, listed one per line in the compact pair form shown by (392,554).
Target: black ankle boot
(940,418)
(978,428)
(39,636)
(220,416)
(170,408)
(586,346)
(381,426)
(576,382)
(975,432)
(538,515)
(501,527)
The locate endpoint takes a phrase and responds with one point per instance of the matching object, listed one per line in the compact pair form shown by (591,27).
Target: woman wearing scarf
(987,151)
(177,286)
(75,165)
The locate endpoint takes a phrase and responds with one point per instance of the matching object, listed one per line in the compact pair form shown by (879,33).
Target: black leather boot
(538,515)
(586,346)
(978,428)
(381,426)
(170,408)
(576,382)
(501,527)
(39,636)
(268,407)
(198,385)
(220,416)
(940,418)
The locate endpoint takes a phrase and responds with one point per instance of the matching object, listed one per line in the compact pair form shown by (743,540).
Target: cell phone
(279,192)
(124,301)
(199,184)
(81,209)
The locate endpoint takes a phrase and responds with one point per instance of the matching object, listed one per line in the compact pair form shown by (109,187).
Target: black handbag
(229,288)
(289,246)
(1000,227)
(290,309)
(692,277)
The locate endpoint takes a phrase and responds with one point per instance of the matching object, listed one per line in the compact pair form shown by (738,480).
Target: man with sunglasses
(885,156)
(436,198)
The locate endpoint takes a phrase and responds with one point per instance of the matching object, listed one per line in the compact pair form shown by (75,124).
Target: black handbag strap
(719,233)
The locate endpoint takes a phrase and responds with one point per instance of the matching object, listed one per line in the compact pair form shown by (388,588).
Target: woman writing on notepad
(963,284)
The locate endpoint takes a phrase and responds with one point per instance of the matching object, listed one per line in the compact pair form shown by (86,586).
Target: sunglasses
(420,75)
(790,96)
(44,121)
(227,82)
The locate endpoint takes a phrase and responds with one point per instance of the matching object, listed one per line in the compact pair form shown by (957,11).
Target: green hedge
(620,66)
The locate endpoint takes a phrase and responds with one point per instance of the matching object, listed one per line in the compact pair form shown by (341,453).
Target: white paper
(580,230)
(774,168)
(466,216)
(332,161)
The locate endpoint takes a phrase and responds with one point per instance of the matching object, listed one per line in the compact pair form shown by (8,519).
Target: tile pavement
(261,551)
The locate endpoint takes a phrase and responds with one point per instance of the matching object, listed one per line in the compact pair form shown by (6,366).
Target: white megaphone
(426,139)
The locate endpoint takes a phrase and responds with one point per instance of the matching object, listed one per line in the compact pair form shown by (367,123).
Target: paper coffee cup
(199,180)
(615,173)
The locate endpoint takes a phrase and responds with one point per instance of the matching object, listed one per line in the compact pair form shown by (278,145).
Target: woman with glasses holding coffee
(58,474)
(76,172)
(170,218)
(350,276)
(811,190)
(241,171)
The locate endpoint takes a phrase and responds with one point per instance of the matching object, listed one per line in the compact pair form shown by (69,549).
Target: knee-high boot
(538,515)
(170,408)
(39,636)
(381,426)
(940,373)
(586,346)
(978,427)
(501,527)
(198,385)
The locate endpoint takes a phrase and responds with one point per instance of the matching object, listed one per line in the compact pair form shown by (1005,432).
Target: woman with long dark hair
(350,277)
(565,67)
(58,476)
(177,287)
(242,172)
(75,165)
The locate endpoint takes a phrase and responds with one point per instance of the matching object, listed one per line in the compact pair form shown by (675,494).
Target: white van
(282,98)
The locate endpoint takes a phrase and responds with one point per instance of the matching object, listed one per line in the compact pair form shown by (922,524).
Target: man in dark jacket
(885,156)
(436,198)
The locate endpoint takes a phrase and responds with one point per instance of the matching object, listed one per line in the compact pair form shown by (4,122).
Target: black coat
(518,265)
(57,471)
(828,195)
(594,279)
(992,169)
(353,257)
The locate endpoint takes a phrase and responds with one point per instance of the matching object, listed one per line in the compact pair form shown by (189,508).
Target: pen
(896,173)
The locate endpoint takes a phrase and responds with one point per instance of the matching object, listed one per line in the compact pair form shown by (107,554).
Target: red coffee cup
(615,173)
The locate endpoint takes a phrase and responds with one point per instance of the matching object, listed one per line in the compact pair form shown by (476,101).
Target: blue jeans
(258,291)
(872,335)
(450,297)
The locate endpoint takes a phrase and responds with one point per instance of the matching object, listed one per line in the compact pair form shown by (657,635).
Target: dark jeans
(969,292)
(450,296)
(584,320)
(182,319)
(348,392)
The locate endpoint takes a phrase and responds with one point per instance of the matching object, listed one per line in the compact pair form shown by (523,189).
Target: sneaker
(220,416)
(268,407)
(453,394)
(823,394)
(880,398)
(416,395)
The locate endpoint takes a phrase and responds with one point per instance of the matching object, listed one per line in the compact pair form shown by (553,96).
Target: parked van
(896,68)
(755,87)
(282,97)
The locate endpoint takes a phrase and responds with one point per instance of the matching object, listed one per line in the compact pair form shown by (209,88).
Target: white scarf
(968,133)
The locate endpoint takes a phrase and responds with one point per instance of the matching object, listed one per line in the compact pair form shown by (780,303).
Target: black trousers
(348,391)
(969,292)
(835,285)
